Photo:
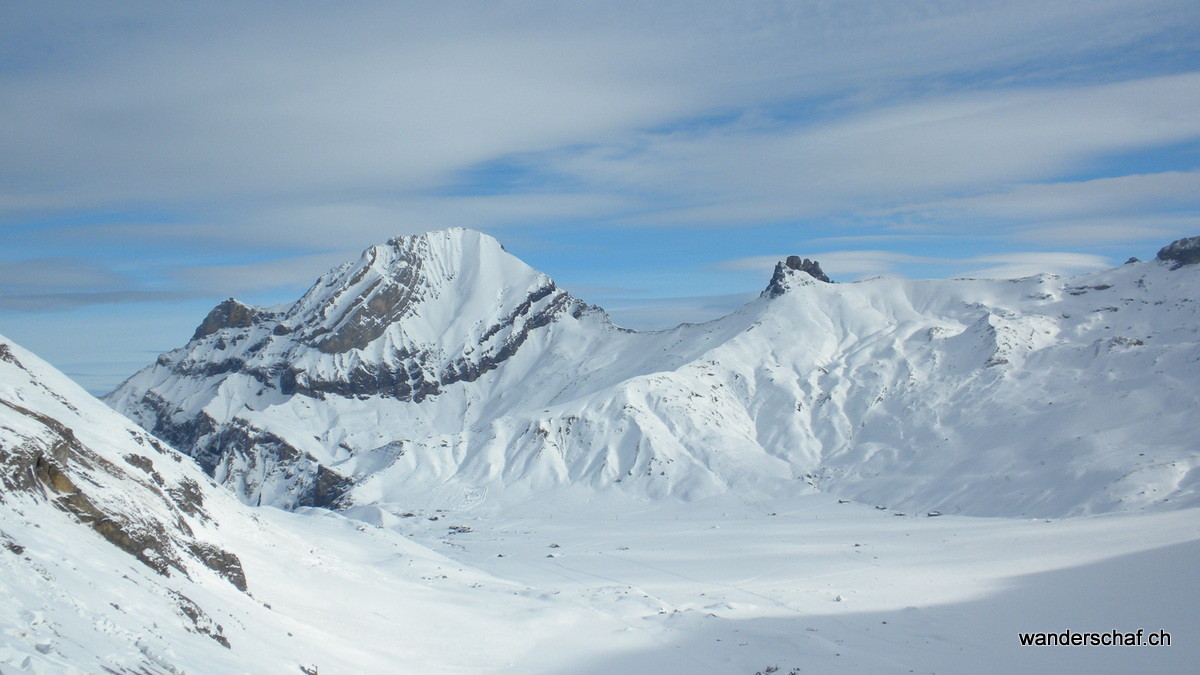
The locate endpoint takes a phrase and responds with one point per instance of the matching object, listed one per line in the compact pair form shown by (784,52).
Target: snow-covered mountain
(439,361)
(117,554)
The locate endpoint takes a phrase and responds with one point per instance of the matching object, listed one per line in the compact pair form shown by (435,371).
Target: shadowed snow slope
(440,360)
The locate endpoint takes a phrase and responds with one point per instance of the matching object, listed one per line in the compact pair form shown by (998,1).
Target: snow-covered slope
(117,554)
(441,363)
(87,496)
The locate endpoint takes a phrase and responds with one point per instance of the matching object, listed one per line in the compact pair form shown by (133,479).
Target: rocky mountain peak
(1181,252)
(452,235)
(410,281)
(231,313)
(406,321)
(788,267)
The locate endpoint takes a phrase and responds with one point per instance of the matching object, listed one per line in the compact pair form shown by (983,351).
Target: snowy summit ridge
(439,359)
(453,302)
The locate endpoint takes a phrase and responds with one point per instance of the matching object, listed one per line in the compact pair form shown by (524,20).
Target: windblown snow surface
(521,486)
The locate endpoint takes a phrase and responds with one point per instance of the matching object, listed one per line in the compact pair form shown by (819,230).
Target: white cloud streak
(850,265)
(299,271)
(1017,265)
(953,144)
(842,264)
(56,274)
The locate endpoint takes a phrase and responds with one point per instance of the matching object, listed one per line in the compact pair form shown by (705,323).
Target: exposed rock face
(228,314)
(812,267)
(220,561)
(263,468)
(248,460)
(1181,252)
(786,268)
(44,461)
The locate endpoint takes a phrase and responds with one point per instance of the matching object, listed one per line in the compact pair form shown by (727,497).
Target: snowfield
(727,585)
(438,461)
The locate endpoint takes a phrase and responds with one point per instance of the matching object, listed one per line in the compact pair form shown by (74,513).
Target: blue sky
(654,158)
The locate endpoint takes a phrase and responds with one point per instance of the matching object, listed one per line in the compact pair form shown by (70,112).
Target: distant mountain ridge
(441,360)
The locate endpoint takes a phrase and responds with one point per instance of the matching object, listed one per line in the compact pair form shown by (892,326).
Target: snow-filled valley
(728,585)
(439,461)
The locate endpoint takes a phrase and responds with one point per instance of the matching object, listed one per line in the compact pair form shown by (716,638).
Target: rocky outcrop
(229,314)
(381,304)
(262,468)
(789,266)
(1181,252)
(57,468)
(224,563)
(247,460)
(422,374)
(811,267)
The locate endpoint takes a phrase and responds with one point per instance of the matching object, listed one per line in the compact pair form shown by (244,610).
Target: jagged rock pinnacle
(811,266)
(798,264)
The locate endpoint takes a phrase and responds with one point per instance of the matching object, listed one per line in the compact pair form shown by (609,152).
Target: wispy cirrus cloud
(1108,230)
(257,107)
(35,303)
(177,150)
(1073,199)
(948,145)
(850,265)
(43,285)
(53,274)
(1017,265)
(261,275)
(1103,210)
